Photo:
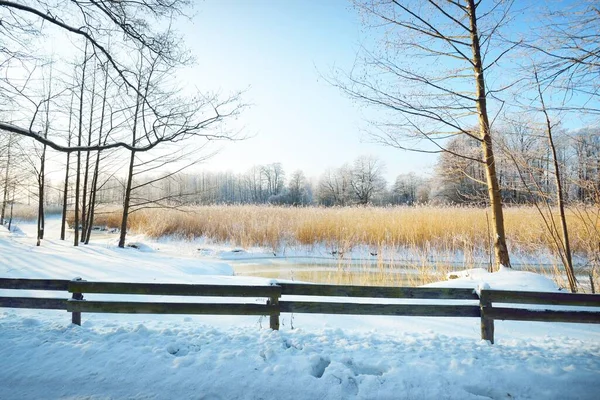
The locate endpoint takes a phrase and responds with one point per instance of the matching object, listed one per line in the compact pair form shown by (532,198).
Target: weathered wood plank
(173,289)
(34,284)
(487,323)
(518,314)
(301,289)
(33,302)
(170,308)
(274,318)
(416,310)
(76,316)
(547,298)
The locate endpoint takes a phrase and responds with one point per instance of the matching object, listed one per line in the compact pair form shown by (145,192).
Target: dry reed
(24,212)
(446,229)
(433,235)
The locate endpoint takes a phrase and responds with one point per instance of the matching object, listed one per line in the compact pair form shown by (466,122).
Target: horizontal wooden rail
(486,307)
(302,289)
(34,284)
(519,314)
(414,310)
(173,289)
(490,312)
(545,298)
(170,308)
(34,302)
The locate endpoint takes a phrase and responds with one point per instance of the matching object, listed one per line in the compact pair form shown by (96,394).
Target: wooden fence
(464,302)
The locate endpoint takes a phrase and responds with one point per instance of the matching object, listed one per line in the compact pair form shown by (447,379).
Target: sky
(279,51)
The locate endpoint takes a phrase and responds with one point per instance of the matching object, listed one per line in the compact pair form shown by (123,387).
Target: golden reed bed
(441,228)
(434,234)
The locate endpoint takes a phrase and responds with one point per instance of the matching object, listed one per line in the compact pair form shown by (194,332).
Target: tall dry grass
(24,212)
(428,228)
(432,235)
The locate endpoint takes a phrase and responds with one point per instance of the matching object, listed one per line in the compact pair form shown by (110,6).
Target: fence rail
(34,302)
(411,310)
(307,289)
(35,284)
(173,289)
(471,304)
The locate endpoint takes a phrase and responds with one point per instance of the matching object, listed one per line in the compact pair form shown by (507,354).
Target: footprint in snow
(363,369)
(318,366)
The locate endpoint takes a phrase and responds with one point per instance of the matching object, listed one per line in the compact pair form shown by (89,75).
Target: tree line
(523,170)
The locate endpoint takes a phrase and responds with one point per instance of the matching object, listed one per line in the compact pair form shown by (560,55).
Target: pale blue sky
(278,49)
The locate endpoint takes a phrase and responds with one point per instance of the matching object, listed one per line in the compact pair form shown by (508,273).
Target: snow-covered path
(158,360)
(43,356)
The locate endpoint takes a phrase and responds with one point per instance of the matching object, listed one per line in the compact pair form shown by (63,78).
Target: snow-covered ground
(43,356)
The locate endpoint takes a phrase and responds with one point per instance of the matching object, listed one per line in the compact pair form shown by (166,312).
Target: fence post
(76,315)
(487,324)
(274,317)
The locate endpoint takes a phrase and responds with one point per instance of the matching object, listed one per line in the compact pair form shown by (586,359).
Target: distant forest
(524,172)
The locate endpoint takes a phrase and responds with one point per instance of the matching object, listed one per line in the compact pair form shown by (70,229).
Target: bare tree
(367,179)
(79,145)
(565,248)
(430,79)
(273,176)
(41,177)
(562,66)
(7,150)
(124,25)
(169,113)
(63,221)
(586,144)
(297,189)
(568,49)
(334,187)
(461,181)
(521,140)
(15,173)
(410,189)
(94,185)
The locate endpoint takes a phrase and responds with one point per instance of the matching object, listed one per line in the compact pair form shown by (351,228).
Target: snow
(43,356)
(43,359)
(504,279)
(102,260)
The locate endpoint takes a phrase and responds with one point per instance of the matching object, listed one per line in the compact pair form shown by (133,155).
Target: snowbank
(44,359)
(101,260)
(505,279)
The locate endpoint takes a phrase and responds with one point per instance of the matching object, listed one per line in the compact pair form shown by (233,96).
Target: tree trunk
(568,261)
(79,135)
(500,248)
(92,208)
(84,199)
(41,194)
(126,201)
(6,180)
(127,197)
(12,203)
(42,174)
(566,257)
(63,222)
(94,186)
